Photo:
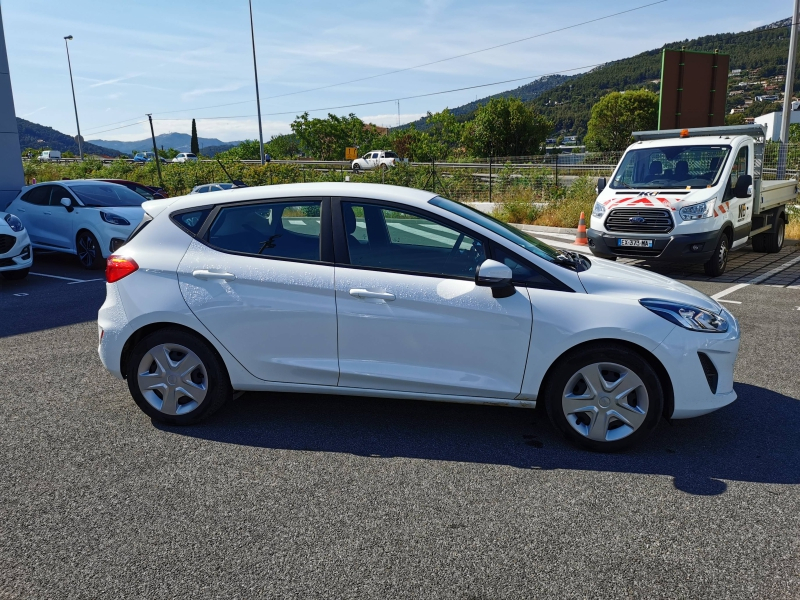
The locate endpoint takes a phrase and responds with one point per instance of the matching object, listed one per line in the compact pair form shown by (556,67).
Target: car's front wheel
(604,399)
(88,250)
(175,377)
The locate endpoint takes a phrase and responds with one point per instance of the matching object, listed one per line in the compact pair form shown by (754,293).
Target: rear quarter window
(191,221)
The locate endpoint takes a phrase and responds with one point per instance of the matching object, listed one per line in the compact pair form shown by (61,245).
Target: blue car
(145,157)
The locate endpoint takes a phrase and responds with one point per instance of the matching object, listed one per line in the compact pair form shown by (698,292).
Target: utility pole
(787,94)
(67,38)
(155,150)
(255,71)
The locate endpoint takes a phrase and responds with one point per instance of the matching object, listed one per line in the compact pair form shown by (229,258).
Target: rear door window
(39,195)
(289,230)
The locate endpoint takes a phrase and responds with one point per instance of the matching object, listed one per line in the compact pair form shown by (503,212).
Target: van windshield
(679,167)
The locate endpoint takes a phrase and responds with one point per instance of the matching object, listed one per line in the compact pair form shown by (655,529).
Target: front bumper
(20,256)
(680,354)
(690,247)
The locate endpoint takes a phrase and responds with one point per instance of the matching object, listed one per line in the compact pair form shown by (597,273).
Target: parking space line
(730,290)
(58,277)
(756,280)
(87,280)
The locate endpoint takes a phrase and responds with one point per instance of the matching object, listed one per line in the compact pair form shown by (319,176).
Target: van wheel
(773,240)
(604,398)
(88,250)
(175,377)
(715,266)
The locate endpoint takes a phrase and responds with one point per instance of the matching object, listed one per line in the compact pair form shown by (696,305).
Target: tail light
(118,267)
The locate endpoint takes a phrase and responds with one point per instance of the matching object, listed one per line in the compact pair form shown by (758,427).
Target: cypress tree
(195,143)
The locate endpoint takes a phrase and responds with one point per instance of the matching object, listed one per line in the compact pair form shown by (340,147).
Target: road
(303,496)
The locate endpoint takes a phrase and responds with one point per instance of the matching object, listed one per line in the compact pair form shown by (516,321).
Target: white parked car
(185,157)
(16,256)
(374,159)
(368,290)
(86,217)
(211,187)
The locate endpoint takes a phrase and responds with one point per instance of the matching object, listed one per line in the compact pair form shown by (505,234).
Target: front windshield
(109,194)
(512,234)
(671,167)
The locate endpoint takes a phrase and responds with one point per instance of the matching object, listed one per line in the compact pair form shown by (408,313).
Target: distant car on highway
(389,292)
(86,217)
(145,157)
(48,155)
(145,191)
(185,157)
(215,187)
(16,255)
(375,159)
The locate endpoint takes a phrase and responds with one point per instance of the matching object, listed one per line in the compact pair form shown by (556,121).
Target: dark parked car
(146,191)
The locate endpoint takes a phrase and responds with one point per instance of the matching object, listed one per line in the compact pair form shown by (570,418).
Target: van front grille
(640,220)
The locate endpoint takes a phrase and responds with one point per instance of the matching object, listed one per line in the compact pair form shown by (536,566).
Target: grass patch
(559,207)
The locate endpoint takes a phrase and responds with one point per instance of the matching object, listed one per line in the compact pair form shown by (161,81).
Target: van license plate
(635,243)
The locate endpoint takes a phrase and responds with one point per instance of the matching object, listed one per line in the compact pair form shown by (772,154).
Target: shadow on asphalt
(753,440)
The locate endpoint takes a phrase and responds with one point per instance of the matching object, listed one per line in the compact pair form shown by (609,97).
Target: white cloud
(217,90)
(115,80)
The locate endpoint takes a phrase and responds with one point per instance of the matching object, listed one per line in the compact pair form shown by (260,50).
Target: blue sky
(174,58)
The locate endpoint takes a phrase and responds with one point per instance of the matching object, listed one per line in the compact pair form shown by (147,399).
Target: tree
(506,127)
(619,114)
(326,139)
(246,150)
(195,142)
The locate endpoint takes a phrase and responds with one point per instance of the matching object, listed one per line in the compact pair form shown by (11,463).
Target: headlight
(686,316)
(698,211)
(598,210)
(14,222)
(113,219)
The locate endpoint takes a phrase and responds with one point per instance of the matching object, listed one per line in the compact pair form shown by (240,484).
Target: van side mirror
(497,276)
(601,185)
(742,189)
(67,203)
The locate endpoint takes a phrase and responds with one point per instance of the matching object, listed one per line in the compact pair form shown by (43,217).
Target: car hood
(134,214)
(612,279)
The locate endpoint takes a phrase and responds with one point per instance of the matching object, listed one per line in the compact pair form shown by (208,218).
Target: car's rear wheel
(88,250)
(175,377)
(14,275)
(604,399)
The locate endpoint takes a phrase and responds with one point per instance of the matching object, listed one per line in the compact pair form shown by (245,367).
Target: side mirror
(601,185)
(497,276)
(67,203)
(742,189)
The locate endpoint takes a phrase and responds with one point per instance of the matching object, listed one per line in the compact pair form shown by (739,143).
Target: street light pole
(255,71)
(74,103)
(786,120)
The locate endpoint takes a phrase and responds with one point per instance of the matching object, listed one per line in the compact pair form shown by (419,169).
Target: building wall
(12,177)
(773,123)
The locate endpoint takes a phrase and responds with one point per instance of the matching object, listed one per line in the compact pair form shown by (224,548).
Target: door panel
(58,220)
(438,335)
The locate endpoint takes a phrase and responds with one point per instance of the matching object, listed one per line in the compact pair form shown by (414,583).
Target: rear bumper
(691,247)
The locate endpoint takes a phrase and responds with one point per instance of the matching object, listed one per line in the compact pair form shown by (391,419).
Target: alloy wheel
(172,379)
(605,402)
(87,250)
(722,258)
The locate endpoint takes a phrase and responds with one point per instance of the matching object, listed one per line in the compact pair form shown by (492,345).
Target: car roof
(366,191)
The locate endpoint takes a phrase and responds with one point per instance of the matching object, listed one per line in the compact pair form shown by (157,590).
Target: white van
(48,155)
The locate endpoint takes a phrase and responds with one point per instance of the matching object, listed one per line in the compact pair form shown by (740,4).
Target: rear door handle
(46,213)
(204,274)
(364,294)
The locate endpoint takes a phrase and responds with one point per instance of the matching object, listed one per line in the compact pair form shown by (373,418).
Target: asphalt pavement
(311,496)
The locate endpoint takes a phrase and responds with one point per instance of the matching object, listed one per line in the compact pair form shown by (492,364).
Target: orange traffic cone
(581,239)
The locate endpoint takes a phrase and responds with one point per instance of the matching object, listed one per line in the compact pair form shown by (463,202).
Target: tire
(716,265)
(773,240)
(15,275)
(609,423)
(164,391)
(89,253)
(356,167)
(759,243)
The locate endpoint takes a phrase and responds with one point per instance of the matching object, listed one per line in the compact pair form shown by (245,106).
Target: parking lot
(289,495)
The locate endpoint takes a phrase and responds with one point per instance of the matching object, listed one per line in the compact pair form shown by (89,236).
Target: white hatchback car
(390,292)
(16,256)
(86,217)
(185,157)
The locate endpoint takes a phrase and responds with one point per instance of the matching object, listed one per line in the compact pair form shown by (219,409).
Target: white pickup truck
(691,195)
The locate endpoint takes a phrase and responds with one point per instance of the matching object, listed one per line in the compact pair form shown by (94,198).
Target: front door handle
(46,213)
(364,294)
(204,274)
